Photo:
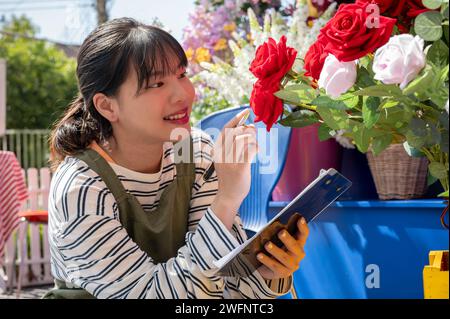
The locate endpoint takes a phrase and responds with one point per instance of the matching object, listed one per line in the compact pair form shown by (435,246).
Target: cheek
(190,90)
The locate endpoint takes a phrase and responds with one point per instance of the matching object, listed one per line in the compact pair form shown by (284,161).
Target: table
(369,249)
(13,192)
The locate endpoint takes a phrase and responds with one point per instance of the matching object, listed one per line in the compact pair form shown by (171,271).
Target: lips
(180,117)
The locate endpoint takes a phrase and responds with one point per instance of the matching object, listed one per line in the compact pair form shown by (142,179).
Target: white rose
(337,77)
(400,60)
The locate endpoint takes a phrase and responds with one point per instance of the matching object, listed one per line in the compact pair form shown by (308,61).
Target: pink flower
(400,60)
(337,77)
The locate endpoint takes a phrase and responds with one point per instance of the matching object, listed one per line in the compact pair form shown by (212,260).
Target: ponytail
(75,131)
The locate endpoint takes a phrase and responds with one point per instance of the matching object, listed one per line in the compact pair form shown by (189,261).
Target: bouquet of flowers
(378,71)
(233,79)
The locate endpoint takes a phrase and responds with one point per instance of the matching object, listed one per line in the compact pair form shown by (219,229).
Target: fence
(27,255)
(30,146)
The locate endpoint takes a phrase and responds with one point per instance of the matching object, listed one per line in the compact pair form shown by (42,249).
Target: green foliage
(41,79)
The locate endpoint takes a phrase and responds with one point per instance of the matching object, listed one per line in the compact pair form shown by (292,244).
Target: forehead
(139,75)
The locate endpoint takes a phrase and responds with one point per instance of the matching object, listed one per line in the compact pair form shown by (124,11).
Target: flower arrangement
(233,79)
(378,71)
(212,24)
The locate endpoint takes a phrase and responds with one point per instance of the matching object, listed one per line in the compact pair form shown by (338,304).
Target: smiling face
(150,113)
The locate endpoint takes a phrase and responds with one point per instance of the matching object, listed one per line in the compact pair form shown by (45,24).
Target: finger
(303,231)
(288,260)
(245,148)
(235,120)
(275,266)
(291,243)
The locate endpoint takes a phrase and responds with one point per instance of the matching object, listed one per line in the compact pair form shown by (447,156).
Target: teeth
(175,117)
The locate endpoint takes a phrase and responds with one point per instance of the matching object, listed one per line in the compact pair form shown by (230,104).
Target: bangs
(154,53)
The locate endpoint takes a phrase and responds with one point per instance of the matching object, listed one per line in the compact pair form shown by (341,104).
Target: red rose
(273,60)
(266,106)
(348,35)
(391,8)
(315,58)
(415,7)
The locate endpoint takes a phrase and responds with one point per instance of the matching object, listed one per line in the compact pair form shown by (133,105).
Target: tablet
(312,201)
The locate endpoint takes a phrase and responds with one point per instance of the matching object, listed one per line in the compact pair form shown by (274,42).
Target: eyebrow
(160,73)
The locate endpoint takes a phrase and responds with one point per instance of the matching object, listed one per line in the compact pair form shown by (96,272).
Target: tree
(41,79)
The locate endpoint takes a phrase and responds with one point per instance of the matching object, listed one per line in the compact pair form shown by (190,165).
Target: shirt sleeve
(91,249)
(203,194)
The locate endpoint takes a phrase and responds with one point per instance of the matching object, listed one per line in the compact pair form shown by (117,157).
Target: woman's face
(156,110)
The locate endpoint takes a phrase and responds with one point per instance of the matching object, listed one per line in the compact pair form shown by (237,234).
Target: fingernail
(260,256)
(303,221)
(269,246)
(283,234)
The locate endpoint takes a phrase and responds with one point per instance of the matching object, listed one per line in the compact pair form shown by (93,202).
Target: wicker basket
(398,175)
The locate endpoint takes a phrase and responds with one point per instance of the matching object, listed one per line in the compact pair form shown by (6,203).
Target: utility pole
(102,14)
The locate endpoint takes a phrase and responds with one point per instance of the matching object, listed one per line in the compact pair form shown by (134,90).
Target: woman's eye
(155,85)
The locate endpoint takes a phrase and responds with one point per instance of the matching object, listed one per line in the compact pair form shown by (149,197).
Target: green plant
(40,78)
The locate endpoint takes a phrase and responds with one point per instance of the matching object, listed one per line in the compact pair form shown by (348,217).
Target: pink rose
(337,77)
(400,60)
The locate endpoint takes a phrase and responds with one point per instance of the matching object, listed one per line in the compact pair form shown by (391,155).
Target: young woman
(126,219)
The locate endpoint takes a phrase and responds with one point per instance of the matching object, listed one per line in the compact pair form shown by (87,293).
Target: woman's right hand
(233,153)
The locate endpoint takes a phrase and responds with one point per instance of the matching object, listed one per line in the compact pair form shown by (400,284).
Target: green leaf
(444,194)
(364,78)
(444,144)
(370,111)
(438,54)
(418,127)
(297,94)
(388,104)
(428,25)
(420,83)
(380,143)
(414,140)
(431,179)
(324,132)
(300,118)
(361,136)
(335,119)
(444,11)
(381,90)
(432,4)
(438,170)
(396,116)
(326,101)
(350,100)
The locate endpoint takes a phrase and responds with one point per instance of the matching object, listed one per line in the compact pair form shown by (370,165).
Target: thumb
(235,120)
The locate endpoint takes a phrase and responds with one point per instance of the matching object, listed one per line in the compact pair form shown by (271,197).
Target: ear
(105,106)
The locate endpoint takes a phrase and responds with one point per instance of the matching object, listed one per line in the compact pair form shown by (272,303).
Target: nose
(179,93)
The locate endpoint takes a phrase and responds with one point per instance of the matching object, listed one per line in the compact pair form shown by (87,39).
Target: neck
(139,157)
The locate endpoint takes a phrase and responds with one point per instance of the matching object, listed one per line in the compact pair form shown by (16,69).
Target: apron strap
(99,165)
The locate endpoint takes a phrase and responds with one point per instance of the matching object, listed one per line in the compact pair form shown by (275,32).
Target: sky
(70,21)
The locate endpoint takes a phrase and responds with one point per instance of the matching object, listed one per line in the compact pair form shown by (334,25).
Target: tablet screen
(309,203)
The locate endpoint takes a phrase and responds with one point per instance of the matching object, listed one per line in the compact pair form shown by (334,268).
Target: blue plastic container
(369,249)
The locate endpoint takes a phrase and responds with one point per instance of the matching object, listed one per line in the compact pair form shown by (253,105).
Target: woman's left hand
(283,262)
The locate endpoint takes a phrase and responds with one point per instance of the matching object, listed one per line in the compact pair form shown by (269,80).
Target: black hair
(104,61)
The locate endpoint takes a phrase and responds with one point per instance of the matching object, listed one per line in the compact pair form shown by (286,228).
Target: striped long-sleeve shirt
(91,249)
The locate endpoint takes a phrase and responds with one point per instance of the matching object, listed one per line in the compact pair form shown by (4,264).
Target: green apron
(160,233)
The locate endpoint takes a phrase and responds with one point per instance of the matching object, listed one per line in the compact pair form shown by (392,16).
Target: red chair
(26,218)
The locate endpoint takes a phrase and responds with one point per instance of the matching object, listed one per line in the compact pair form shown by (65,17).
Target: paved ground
(27,293)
